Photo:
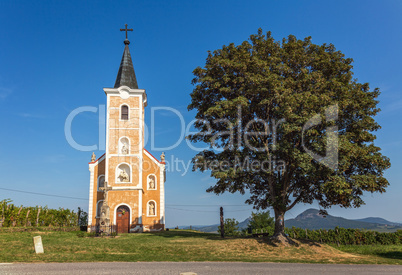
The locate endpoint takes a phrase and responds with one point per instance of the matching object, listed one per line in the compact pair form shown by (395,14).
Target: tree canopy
(286,121)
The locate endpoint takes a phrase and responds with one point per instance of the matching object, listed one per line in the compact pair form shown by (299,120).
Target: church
(127,182)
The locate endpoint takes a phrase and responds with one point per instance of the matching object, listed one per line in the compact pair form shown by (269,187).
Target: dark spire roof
(126,74)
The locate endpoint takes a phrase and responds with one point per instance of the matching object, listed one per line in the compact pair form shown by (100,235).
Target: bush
(261,221)
(81,234)
(231,227)
(93,234)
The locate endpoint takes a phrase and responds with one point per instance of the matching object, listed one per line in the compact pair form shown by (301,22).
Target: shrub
(230,227)
(81,234)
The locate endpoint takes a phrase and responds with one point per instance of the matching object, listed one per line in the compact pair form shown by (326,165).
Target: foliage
(231,227)
(38,229)
(346,236)
(16,216)
(261,221)
(287,121)
(94,234)
(83,218)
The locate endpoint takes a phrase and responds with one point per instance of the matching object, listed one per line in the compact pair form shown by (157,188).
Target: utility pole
(222,224)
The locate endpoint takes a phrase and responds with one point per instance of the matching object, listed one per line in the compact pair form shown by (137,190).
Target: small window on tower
(124,112)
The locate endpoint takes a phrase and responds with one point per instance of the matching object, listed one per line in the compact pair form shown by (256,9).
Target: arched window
(151,209)
(101,182)
(124,112)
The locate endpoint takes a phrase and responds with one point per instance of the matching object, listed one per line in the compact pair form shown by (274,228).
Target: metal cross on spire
(126,30)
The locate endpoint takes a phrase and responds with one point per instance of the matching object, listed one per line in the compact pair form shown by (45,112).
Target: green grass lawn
(182,245)
(379,251)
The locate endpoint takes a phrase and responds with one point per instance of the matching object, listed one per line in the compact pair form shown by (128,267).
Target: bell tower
(126,181)
(124,132)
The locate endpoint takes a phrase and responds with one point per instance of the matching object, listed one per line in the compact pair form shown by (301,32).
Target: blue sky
(57,56)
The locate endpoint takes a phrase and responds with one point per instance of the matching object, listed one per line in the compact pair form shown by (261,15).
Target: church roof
(126,74)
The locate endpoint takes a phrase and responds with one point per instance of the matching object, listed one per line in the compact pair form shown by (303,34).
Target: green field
(182,245)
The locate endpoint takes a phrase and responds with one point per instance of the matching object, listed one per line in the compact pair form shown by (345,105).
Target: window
(101,181)
(124,112)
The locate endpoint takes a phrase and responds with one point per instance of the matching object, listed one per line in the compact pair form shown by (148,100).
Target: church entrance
(123,219)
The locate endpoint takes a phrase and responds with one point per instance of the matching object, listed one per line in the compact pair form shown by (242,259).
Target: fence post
(2,217)
(18,217)
(26,218)
(37,216)
(337,237)
(320,236)
(222,223)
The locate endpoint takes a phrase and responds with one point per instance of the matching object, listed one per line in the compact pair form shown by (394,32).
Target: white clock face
(124,94)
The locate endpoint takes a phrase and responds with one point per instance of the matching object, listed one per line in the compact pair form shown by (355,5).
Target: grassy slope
(177,245)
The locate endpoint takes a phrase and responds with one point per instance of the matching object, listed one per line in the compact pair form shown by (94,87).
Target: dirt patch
(263,248)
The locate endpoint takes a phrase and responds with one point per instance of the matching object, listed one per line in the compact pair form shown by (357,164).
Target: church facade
(127,182)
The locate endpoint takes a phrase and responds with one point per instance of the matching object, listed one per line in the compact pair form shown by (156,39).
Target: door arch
(123,219)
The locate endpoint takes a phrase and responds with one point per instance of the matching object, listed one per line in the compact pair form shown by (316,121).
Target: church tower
(127,182)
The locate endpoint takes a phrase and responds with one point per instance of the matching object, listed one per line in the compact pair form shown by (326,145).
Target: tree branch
(294,202)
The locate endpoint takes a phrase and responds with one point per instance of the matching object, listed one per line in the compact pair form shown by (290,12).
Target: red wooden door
(123,219)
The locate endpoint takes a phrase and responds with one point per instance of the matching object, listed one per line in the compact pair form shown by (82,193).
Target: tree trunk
(279,233)
(279,223)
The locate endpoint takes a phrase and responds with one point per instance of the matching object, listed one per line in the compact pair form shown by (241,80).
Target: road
(196,267)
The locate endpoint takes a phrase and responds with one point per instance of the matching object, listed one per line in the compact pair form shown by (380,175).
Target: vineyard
(20,216)
(341,236)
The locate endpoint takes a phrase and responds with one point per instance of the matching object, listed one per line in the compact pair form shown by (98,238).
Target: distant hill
(378,220)
(208,228)
(214,228)
(244,224)
(311,219)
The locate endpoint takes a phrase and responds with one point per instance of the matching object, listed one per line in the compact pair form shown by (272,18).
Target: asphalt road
(196,267)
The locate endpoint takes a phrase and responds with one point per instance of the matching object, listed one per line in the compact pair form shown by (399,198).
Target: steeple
(126,74)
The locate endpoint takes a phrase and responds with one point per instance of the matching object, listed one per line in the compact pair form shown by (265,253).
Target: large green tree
(286,121)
